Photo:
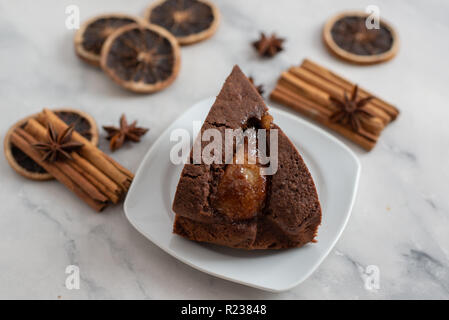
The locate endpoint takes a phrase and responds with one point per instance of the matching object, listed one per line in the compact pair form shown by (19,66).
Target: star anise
(259,87)
(351,111)
(58,146)
(118,136)
(268,46)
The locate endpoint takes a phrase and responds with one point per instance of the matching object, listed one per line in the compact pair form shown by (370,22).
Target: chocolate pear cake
(235,205)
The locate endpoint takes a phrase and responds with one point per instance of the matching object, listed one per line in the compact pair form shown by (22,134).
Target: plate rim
(306,275)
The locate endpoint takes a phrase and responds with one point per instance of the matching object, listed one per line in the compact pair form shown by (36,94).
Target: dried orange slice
(24,165)
(190,21)
(141,58)
(347,37)
(89,39)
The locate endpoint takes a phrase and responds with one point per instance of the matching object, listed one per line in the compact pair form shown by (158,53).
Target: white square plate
(334,168)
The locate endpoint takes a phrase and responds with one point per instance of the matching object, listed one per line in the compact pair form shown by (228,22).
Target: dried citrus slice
(189,21)
(89,39)
(141,58)
(24,165)
(347,37)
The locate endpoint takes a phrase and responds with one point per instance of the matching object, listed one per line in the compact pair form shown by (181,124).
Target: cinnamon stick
(114,198)
(307,89)
(305,106)
(338,92)
(343,83)
(24,141)
(82,166)
(116,193)
(372,125)
(80,180)
(313,108)
(310,90)
(90,152)
(121,168)
(314,89)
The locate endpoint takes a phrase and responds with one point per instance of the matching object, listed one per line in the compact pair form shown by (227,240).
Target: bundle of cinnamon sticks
(308,88)
(92,175)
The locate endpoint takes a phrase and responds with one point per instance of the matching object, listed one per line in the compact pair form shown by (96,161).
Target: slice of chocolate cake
(235,205)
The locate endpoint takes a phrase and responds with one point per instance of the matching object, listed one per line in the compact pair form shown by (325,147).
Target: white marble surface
(401,217)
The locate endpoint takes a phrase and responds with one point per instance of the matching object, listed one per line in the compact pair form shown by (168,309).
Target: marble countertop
(400,221)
